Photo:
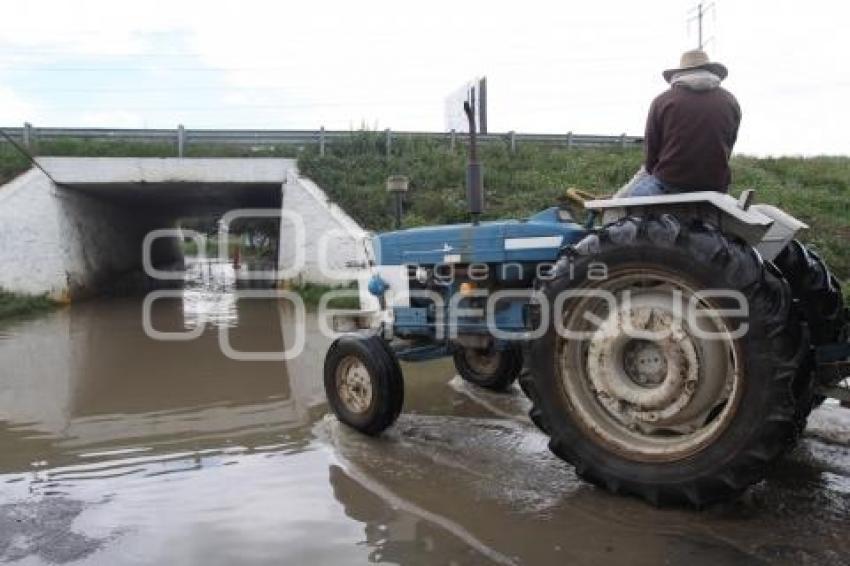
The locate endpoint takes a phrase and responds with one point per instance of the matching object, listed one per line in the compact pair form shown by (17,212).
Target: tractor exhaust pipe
(474,173)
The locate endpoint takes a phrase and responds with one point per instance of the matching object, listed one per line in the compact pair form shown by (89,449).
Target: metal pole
(699,8)
(482,105)
(181,140)
(513,141)
(27,135)
(452,140)
(322,141)
(398,210)
(389,141)
(569,140)
(623,141)
(474,180)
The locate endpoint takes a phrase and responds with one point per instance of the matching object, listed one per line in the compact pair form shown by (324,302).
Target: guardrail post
(623,141)
(27,135)
(389,141)
(452,138)
(181,140)
(569,140)
(322,141)
(512,135)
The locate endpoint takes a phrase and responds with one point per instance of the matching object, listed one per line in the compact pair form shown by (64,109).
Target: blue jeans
(650,186)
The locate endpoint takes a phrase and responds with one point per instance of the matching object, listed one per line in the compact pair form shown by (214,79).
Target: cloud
(89,27)
(112,119)
(13,109)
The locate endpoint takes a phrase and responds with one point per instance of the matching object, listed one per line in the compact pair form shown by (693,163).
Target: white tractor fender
(765,227)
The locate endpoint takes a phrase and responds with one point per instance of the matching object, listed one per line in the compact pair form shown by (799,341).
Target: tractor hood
(538,238)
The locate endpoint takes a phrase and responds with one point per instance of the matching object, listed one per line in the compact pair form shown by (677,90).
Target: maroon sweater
(689,137)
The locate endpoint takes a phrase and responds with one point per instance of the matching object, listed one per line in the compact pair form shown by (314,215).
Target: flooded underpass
(118,448)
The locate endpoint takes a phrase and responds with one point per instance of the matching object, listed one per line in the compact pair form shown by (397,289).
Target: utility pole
(701,10)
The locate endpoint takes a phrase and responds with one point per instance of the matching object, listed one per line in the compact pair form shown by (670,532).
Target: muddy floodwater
(116,448)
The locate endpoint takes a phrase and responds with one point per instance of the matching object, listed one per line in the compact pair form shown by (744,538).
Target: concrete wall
(65,243)
(102,241)
(333,238)
(166,170)
(32,250)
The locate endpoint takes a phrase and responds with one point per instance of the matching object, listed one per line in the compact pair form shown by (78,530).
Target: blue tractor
(671,347)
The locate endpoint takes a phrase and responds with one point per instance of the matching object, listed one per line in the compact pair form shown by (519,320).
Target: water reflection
(208,295)
(397,534)
(88,379)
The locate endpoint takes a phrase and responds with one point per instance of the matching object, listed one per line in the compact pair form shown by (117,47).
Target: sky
(588,67)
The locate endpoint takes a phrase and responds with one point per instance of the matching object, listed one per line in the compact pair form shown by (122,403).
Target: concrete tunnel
(75,235)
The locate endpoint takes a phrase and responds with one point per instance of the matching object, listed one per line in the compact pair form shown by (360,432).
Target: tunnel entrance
(81,231)
(140,206)
(78,227)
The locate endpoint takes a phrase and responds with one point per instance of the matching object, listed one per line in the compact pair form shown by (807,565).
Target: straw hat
(696,59)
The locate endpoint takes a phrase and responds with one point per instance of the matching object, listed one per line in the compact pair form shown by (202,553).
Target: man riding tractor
(676,339)
(690,132)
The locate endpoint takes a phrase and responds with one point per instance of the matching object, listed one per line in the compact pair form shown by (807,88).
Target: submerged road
(119,449)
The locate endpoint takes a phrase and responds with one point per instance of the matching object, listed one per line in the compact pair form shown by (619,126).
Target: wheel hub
(354,385)
(645,363)
(643,381)
(484,362)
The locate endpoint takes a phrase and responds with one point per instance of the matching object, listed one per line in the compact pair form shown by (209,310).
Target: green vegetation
(12,163)
(354,176)
(816,190)
(190,246)
(105,148)
(313,293)
(259,246)
(16,305)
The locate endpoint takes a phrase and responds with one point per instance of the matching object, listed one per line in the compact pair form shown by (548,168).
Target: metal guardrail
(29,135)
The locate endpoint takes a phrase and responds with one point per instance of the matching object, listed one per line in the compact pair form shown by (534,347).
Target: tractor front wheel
(363,383)
(489,368)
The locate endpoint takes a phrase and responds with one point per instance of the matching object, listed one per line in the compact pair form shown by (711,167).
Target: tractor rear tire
(816,290)
(491,369)
(674,420)
(363,383)
(821,305)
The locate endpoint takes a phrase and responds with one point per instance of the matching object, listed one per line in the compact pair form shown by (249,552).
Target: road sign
(474,92)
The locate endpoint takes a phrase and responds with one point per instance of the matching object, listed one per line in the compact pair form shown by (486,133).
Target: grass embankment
(16,305)
(816,190)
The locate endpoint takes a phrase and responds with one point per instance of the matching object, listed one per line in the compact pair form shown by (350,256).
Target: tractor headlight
(377,286)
